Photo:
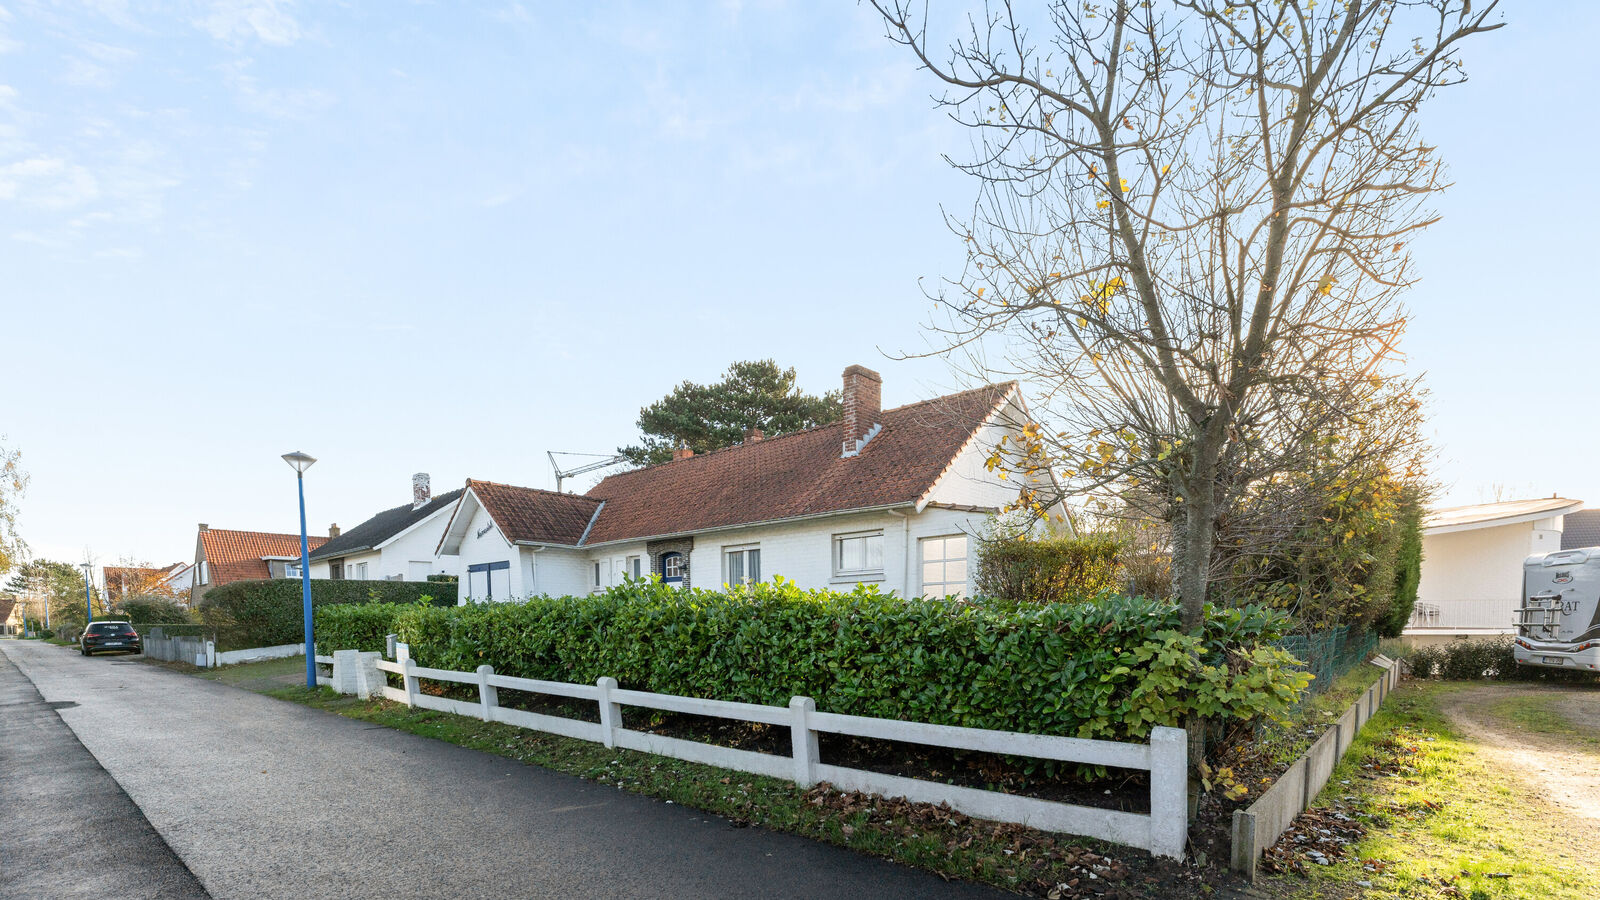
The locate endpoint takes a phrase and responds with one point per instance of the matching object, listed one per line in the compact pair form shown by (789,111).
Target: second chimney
(863,404)
(751,435)
(333,531)
(681,451)
(421,491)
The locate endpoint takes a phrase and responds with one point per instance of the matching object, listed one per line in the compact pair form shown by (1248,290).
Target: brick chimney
(421,490)
(863,405)
(681,451)
(751,435)
(333,530)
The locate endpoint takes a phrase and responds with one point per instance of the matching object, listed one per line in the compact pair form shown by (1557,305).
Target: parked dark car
(109,636)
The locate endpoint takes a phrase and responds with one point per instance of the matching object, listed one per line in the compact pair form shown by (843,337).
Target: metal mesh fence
(1331,653)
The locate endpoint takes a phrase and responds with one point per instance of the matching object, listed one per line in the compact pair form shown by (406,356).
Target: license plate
(119,644)
(1554,660)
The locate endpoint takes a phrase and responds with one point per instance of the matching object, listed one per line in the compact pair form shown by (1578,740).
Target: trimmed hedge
(1492,659)
(268,612)
(1050,569)
(356,626)
(1107,669)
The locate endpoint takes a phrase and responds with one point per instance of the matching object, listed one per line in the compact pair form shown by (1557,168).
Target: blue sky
(448,238)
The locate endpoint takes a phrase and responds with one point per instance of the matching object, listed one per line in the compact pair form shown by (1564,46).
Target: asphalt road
(66,827)
(263,798)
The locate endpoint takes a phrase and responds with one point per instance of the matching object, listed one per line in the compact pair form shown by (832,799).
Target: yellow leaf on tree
(980,292)
(1325,284)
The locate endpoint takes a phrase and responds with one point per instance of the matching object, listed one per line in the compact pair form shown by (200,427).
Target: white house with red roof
(893,498)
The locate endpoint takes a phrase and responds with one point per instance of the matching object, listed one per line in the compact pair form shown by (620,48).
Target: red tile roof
(533,515)
(798,474)
(240,555)
(794,475)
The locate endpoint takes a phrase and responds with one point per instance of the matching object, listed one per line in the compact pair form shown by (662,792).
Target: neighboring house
(893,498)
(1581,529)
(222,556)
(1472,565)
(121,581)
(10,615)
(397,544)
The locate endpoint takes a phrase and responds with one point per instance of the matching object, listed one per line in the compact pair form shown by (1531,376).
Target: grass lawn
(1446,815)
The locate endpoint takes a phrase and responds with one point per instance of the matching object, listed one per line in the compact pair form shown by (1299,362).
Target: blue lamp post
(88,598)
(301,462)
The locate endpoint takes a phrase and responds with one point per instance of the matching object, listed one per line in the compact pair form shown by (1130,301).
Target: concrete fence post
(370,680)
(610,711)
(413,689)
(211,654)
(1169,791)
(389,641)
(488,695)
(804,740)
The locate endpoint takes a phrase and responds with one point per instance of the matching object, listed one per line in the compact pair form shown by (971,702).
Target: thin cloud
(235,22)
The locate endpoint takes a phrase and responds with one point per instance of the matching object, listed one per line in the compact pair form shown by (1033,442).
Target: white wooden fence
(1163,831)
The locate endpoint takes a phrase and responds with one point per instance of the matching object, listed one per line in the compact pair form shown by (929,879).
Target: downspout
(905,533)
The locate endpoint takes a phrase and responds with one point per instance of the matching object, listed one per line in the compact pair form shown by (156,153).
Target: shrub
(1048,569)
(356,626)
(268,612)
(1492,659)
(148,609)
(1106,669)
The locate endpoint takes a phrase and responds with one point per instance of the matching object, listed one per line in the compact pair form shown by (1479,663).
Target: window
(336,569)
(635,566)
(291,570)
(944,566)
(672,568)
(858,554)
(741,565)
(361,571)
(488,581)
(597,573)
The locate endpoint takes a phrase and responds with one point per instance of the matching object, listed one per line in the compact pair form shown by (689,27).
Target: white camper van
(1558,623)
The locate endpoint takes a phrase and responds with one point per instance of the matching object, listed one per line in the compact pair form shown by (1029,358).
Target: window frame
(744,550)
(836,556)
(943,561)
(677,557)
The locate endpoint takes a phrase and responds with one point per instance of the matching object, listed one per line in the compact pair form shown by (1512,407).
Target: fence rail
(1163,831)
(1495,614)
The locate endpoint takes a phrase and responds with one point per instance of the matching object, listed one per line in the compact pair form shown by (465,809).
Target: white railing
(1457,614)
(1163,831)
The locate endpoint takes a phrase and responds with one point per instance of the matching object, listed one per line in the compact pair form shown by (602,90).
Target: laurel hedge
(1111,668)
(269,612)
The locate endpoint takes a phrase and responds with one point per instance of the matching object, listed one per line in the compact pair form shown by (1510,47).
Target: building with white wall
(398,544)
(894,498)
(1472,565)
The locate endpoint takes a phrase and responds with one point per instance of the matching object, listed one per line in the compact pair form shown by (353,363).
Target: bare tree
(1190,240)
(13,483)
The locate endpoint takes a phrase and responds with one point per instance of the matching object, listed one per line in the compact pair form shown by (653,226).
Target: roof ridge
(789,434)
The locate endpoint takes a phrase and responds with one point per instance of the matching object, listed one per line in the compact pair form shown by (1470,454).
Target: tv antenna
(603,461)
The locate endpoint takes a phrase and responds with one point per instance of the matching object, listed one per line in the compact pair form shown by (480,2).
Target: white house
(1472,565)
(887,497)
(397,544)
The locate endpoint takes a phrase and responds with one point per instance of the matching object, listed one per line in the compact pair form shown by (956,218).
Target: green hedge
(1108,669)
(356,626)
(267,613)
(1048,570)
(1494,659)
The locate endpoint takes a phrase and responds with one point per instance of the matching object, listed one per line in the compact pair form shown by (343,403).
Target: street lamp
(301,462)
(88,598)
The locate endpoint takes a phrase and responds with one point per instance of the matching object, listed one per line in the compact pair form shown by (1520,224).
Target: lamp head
(300,461)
